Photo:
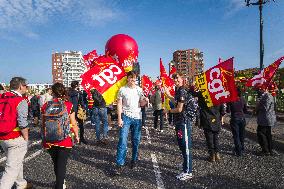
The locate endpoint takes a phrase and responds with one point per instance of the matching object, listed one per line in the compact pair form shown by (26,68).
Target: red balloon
(123,49)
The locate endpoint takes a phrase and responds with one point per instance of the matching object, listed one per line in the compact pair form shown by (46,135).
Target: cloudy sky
(31,30)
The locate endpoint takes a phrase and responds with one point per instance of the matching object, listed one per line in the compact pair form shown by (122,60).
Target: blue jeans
(100,115)
(238,131)
(183,134)
(135,126)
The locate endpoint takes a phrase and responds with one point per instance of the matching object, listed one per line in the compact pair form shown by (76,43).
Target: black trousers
(59,156)
(238,131)
(264,138)
(161,115)
(212,141)
(81,127)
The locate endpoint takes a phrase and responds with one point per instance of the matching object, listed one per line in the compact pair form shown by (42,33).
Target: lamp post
(260,4)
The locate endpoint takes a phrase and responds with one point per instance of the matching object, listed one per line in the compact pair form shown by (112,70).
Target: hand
(77,139)
(120,123)
(167,91)
(165,111)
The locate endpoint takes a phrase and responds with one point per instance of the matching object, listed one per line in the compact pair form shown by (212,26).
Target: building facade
(67,67)
(189,62)
(40,87)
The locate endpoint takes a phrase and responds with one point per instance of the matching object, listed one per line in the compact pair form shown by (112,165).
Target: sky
(31,30)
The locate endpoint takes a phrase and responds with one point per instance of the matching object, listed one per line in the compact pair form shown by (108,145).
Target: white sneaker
(64,184)
(184,176)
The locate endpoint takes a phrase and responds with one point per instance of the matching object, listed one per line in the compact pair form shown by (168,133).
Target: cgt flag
(166,80)
(217,84)
(107,79)
(89,58)
(147,85)
(265,76)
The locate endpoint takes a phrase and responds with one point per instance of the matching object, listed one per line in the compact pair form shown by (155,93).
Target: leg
(209,141)
(104,119)
(62,157)
(242,134)
(216,141)
(97,117)
(53,154)
(135,136)
(143,110)
(269,139)
(16,150)
(262,139)
(122,143)
(155,119)
(236,131)
(161,120)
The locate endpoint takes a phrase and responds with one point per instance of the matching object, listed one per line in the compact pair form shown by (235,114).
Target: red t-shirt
(67,142)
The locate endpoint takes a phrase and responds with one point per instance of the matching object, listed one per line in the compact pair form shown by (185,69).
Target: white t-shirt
(130,101)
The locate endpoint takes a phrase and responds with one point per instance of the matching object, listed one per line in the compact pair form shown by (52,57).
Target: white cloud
(22,15)
(234,6)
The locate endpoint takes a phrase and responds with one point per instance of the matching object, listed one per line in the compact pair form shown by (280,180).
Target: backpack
(8,114)
(190,107)
(56,122)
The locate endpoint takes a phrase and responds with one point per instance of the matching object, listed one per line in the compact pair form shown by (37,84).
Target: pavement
(90,166)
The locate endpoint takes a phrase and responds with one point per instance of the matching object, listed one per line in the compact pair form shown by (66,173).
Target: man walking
(14,133)
(184,114)
(130,99)
(157,104)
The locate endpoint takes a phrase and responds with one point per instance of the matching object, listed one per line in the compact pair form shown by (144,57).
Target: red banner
(266,75)
(107,79)
(173,70)
(218,84)
(89,58)
(166,80)
(147,85)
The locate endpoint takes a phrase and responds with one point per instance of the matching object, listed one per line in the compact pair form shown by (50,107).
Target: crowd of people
(57,112)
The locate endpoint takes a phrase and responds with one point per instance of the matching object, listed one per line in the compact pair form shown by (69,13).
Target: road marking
(159,180)
(33,155)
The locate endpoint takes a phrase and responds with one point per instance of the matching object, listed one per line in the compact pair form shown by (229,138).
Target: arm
(74,126)
(167,92)
(22,110)
(119,112)
(178,109)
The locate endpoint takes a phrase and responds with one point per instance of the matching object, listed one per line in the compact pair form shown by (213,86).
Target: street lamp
(260,3)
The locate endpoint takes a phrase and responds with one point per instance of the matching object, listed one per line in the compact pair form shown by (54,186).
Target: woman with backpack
(59,121)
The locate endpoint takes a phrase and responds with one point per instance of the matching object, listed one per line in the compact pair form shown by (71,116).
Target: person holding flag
(129,101)
(183,122)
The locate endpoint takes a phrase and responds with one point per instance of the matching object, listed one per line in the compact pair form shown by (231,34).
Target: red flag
(218,84)
(106,78)
(88,58)
(172,71)
(166,80)
(265,76)
(147,85)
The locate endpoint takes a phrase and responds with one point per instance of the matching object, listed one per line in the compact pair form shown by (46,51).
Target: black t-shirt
(99,101)
(180,96)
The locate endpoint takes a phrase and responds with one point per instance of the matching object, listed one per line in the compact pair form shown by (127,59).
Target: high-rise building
(189,62)
(67,67)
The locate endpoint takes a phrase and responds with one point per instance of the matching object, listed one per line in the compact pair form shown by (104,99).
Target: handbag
(81,114)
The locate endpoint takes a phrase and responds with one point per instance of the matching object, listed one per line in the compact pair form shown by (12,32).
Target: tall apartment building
(67,67)
(189,62)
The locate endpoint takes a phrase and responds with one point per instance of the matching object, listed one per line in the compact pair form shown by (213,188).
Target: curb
(277,144)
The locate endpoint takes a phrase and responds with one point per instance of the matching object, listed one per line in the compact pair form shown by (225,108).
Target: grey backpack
(56,122)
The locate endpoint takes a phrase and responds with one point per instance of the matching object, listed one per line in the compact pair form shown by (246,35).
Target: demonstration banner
(89,58)
(147,85)
(217,84)
(107,78)
(166,80)
(265,76)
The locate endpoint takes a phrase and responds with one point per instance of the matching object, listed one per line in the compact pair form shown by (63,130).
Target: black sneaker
(83,141)
(117,170)
(133,164)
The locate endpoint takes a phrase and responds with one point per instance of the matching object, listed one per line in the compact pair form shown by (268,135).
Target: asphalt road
(90,166)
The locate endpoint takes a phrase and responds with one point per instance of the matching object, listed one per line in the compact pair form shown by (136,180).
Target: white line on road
(159,180)
(33,155)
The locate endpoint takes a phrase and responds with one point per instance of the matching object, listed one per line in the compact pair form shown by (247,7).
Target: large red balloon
(123,49)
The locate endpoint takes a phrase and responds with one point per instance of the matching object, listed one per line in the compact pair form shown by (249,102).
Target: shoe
(273,153)
(117,170)
(104,141)
(161,131)
(217,157)
(133,164)
(184,176)
(28,186)
(212,158)
(64,184)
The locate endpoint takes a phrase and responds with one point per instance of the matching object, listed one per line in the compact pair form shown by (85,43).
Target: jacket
(265,111)
(156,100)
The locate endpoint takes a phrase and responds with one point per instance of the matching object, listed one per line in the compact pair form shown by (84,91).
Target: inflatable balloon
(123,49)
